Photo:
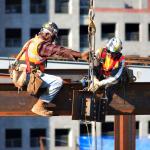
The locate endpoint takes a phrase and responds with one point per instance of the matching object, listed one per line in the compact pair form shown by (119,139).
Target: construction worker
(36,50)
(109,65)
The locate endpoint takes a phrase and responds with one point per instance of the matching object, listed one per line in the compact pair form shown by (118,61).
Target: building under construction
(124,18)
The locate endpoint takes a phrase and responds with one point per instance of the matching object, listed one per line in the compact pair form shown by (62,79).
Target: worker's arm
(116,74)
(50,50)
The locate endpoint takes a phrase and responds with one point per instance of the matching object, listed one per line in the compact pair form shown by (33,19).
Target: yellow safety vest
(33,55)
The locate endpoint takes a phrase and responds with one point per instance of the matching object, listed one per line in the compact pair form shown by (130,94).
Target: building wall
(141,47)
(54,123)
(25,124)
(115,13)
(72,21)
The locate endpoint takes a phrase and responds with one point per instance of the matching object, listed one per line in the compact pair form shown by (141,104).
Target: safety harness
(108,63)
(24,65)
(30,55)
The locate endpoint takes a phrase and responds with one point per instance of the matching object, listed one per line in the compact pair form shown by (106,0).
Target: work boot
(41,108)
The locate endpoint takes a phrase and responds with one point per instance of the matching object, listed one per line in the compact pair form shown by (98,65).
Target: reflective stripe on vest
(33,51)
(109,63)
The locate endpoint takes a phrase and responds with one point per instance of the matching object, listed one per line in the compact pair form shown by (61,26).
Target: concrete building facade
(127,19)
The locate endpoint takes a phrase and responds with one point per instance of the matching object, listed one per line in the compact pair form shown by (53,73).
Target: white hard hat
(114,45)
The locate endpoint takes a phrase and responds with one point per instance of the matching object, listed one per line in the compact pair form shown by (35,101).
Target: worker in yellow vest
(110,64)
(34,55)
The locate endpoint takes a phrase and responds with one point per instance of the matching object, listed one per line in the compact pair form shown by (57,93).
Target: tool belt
(35,83)
(18,75)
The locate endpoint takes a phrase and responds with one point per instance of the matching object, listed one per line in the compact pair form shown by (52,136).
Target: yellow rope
(91,37)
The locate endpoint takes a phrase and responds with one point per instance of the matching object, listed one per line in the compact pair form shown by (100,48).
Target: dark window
(132,32)
(137,128)
(63,37)
(149,127)
(62,137)
(35,135)
(61,6)
(149,32)
(84,7)
(13,138)
(128,6)
(13,37)
(107,30)
(34,31)
(108,128)
(85,129)
(37,6)
(84,36)
(13,6)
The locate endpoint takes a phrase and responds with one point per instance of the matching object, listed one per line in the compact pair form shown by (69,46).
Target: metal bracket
(88,107)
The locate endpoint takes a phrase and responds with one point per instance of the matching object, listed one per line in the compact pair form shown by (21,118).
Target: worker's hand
(95,86)
(85,55)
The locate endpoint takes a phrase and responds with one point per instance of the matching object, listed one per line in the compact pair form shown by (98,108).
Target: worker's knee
(60,81)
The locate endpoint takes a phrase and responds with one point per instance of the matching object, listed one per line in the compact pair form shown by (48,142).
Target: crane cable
(91,38)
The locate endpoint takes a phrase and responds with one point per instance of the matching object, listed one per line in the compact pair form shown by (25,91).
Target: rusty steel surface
(20,104)
(124,131)
(135,99)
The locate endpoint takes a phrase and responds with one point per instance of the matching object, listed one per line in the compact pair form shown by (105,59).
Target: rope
(91,38)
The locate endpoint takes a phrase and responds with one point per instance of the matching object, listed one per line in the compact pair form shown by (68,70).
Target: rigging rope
(91,38)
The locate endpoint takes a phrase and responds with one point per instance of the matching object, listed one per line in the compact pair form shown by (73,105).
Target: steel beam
(134,100)
(125,130)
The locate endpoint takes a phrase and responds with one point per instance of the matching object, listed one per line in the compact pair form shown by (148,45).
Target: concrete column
(26,138)
(143,128)
(75,9)
(26,20)
(66,123)
(96,132)
(2,133)
(2,28)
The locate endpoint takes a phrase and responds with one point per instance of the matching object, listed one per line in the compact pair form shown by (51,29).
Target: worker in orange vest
(110,65)
(34,55)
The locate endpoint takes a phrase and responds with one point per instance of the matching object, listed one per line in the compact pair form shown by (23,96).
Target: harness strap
(25,50)
(103,56)
(28,70)
(103,53)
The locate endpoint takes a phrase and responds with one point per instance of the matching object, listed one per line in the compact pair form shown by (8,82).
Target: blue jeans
(53,85)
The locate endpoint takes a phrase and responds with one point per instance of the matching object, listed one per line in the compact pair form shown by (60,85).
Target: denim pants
(53,85)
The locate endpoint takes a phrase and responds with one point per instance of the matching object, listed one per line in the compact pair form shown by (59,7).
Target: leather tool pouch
(18,75)
(34,84)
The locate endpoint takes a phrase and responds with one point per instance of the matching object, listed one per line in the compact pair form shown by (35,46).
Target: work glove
(94,87)
(85,81)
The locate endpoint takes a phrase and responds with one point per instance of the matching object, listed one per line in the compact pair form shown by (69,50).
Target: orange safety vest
(109,63)
(33,55)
